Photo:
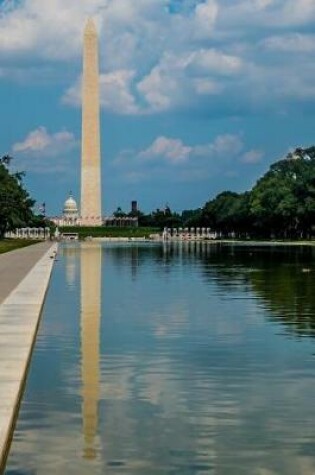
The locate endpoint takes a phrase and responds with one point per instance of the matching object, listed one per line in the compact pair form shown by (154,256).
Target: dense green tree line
(159,218)
(280,205)
(15,202)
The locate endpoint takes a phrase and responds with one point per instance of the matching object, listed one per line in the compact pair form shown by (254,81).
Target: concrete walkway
(25,275)
(15,265)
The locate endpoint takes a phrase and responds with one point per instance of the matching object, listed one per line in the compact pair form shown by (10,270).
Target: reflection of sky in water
(191,372)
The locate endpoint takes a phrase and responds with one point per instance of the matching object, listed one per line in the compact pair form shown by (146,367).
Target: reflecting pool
(187,358)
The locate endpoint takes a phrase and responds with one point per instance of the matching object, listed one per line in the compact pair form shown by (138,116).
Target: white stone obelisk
(91,213)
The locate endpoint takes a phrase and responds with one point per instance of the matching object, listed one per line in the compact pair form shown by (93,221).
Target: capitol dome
(70,208)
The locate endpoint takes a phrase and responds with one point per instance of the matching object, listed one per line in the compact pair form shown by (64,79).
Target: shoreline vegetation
(110,232)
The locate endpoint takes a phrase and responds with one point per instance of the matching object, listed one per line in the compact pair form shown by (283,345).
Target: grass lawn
(99,231)
(7,245)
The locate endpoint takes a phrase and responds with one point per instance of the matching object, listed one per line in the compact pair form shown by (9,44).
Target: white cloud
(176,79)
(115,92)
(173,150)
(73,95)
(298,12)
(223,145)
(281,84)
(268,13)
(205,17)
(41,152)
(154,61)
(169,83)
(159,89)
(293,42)
(215,62)
(132,29)
(50,30)
(39,142)
(53,30)
(252,157)
(193,162)
(206,87)
(146,52)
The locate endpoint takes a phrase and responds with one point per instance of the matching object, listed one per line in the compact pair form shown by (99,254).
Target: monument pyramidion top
(90,28)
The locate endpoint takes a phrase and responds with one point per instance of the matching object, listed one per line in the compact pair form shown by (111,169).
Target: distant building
(70,210)
(70,215)
(134,206)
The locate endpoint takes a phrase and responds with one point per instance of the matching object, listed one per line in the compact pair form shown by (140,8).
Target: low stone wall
(19,319)
(29,233)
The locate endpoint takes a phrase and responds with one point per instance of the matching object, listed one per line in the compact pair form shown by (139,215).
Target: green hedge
(99,231)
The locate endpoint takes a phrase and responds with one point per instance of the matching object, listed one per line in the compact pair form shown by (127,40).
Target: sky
(197,97)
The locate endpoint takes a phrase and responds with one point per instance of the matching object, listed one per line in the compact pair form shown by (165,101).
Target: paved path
(16,264)
(24,280)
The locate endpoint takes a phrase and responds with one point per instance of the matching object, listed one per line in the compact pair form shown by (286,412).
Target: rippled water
(176,359)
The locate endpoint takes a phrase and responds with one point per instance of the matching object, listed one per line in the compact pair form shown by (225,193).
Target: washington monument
(91,212)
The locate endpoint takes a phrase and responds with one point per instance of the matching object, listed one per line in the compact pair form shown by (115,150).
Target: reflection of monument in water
(71,256)
(91,261)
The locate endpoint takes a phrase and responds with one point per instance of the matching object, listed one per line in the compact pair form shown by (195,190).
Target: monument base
(90,223)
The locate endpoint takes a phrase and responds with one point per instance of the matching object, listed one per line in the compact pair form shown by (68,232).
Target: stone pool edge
(20,315)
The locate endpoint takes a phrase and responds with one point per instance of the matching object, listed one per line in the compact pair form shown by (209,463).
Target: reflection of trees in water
(137,256)
(289,295)
(283,277)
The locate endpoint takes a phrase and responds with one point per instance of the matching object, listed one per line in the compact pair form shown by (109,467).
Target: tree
(227,213)
(161,218)
(282,202)
(191,218)
(119,213)
(15,202)
(6,160)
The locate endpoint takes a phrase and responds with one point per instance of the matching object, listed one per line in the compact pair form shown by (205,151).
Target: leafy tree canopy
(281,204)
(15,202)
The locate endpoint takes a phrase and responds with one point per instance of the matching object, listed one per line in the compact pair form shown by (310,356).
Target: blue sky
(197,96)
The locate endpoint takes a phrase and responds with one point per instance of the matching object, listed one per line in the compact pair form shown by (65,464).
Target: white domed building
(70,210)
(70,215)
